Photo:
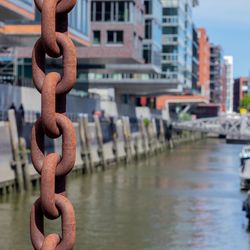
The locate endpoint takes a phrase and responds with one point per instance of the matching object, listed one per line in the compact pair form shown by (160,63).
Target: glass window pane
(110,37)
(107,11)
(119,36)
(98,11)
(96,37)
(121,12)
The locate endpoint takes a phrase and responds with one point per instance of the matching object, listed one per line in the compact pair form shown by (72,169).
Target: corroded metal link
(68,145)
(67,221)
(49,28)
(69,64)
(48,186)
(53,87)
(63,6)
(51,241)
(49,105)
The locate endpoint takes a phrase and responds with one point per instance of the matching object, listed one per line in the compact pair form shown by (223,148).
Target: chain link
(53,168)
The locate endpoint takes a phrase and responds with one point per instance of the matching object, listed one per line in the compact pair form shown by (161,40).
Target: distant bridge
(232,126)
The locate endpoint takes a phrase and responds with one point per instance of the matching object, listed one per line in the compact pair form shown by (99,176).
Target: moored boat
(245,175)
(244,154)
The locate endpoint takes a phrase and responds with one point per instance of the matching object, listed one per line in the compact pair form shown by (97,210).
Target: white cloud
(231,12)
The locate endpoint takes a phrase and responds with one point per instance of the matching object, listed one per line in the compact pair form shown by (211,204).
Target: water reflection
(186,199)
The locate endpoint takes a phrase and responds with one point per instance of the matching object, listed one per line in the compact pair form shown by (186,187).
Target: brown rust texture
(53,168)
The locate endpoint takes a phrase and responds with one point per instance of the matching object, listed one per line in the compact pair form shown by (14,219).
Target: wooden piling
(85,143)
(25,163)
(16,161)
(162,133)
(144,137)
(115,142)
(100,142)
(127,138)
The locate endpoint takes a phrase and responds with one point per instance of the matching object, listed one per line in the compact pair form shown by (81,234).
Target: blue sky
(228,24)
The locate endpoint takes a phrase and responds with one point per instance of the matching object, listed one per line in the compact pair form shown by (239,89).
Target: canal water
(186,199)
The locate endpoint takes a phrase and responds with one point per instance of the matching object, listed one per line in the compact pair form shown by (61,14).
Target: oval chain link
(53,168)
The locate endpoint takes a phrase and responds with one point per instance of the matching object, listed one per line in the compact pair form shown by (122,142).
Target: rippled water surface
(186,199)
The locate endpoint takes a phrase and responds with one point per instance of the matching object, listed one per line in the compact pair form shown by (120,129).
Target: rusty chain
(53,203)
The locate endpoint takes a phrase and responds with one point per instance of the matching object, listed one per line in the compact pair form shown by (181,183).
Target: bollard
(16,162)
(85,143)
(25,163)
(100,141)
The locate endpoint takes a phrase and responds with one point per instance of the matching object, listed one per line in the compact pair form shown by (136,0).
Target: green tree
(245,102)
(185,117)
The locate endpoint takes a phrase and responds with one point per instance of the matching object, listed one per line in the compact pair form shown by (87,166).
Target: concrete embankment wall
(129,141)
(21,95)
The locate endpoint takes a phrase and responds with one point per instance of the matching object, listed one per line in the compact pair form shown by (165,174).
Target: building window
(148,29)
(148,7)
(121,11)
(170,11)
(108,11)
(170,30)
(96,37)
(147,53)
(98,15)
(115,37)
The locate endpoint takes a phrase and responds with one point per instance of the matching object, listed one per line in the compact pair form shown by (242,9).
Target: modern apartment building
(131,63)
(204,63)
(117,31)
(177,34)
(20,20)
(216,74)
(239,90)
(20,28)
(228,61)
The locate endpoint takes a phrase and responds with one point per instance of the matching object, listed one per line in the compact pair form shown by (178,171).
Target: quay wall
(124,142)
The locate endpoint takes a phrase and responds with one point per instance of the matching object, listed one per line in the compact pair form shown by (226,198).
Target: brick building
(204,63)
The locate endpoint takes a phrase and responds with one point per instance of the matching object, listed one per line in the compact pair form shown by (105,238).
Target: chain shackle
(48,28)
(67,213)
(63,6)
(48,113)
(48,186)
(51,241)
(69,64)
(68,145)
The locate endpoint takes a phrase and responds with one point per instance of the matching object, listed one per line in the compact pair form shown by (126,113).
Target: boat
(244,154)
(245,175)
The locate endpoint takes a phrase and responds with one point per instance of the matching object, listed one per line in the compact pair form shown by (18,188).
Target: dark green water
(186,199)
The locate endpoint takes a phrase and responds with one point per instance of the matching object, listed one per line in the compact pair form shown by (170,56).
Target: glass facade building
(177,38)
(78,19)
(153,31)
(21,28)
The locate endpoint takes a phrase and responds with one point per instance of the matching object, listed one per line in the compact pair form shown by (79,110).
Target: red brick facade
(204,62)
